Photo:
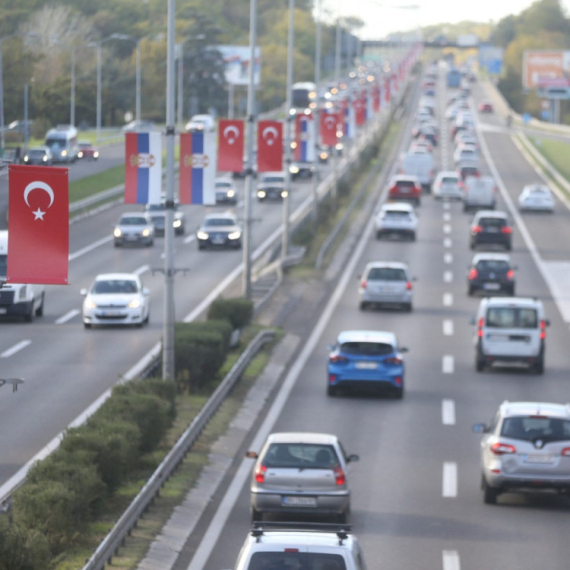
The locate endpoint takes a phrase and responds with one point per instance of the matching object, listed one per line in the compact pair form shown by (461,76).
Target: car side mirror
(145,291)
(352,458)
(251,454)
(403,349)
(83,292)
(330,347)
(480,428)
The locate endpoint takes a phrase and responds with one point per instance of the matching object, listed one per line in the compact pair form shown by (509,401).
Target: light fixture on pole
(137,43)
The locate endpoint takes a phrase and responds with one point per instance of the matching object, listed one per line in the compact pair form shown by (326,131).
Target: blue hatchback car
(367,360)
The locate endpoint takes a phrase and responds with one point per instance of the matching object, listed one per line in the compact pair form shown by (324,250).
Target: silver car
(525,449)
(134,228)
(396,218)
(386,283)
(301,473)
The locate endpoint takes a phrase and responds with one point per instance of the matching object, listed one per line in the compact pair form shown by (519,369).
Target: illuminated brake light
(499,448)
(542,330)
(260,473)
(480,327)
(477,229)
(337,358)
(393,360)
(565,452)
(472,274)
(510,274)
(290,550)
(409,285)
(339,476)
(507,230)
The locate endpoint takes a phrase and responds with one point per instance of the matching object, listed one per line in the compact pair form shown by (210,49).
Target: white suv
(510,330)
(300,545)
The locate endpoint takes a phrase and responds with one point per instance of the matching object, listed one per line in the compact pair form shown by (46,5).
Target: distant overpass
(439,44)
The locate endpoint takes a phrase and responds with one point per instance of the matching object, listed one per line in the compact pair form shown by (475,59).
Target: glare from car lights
(117,233)
(231,193)
(80,154)
(334,90)
(329,105)
(146,232)
(26,158)
(307,111)
(44,158)
(177,223)
(89,304)
(293,145)
(96,154)
(339,146)
(202,235)
(234,235)
(324,155)
(63,153)
(284,194)
(312,106)
(135,304)
(294,169)
(261,194)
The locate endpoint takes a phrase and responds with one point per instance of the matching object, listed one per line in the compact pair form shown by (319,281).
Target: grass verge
(90,185)
(556,153)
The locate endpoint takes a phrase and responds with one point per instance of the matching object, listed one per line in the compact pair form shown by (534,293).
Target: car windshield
(367,348)
(133,221)
(492,265)
(55,143)
(530,428)
(386,274)
(37,153)
(287,560)
(3,265)
(223,184)
(405,183)
(512,317)
(272,179)
(301,455)
(114,286)
(84,145)
(210,222)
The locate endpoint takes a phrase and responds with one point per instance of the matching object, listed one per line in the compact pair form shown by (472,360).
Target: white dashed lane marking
(446,216)
(451,560)
(447,242)
(446,229)
(448,276)
(67,317)
(16,348)
(448,412)
(446,206)
(448,364)
(447,299)
(448,258)
(448,327)
(449,488)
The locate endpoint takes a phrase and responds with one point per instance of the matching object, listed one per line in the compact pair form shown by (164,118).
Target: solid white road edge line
(449,488)
(447,327)
(16,348)
(451,560)
(67,317)
(90,247)
(190,238)
(448,412)
(448,364)
(447,299)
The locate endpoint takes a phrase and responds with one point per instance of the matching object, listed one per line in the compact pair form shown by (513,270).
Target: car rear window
(529,428)
(405,183)
(449,180)
(492,222)
(386,274)
(397,215)
(301,455)
(367,348)
(295,561)
(512,317)
(492,265)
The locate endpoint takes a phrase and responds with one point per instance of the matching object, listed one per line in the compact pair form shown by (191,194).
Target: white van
(62,142)
(479,192)
(420,165)
(510,330)
(17,299)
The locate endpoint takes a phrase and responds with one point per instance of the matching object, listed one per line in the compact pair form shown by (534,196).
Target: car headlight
(324,155)
(234,235)
(177,223)
(294,169)
(26,158)
(44,158)
(63,153)
(146,232)
(117,233)
(96,154)
(89,304)
(80,154)
(261,193)
(202,235)
(231,193)
(339,146)
(135,304)
(284,194)
(22,293)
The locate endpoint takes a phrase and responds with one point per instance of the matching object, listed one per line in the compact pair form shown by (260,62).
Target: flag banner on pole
(230,145)
(197,168)
(304,138)
(329,127)
(369,104)
(269,146)
(376,98)
(349,122)
(359,110)
(387,90)
(38,210)
(143,168)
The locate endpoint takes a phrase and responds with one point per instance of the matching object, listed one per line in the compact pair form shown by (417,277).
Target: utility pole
(317,116)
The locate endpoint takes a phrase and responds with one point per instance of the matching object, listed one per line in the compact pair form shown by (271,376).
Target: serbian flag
(197,168)
(304,138)
(376,98)
(38,209)
(329,126)
(269,146)
(349,121)
(143,168)
(230,146)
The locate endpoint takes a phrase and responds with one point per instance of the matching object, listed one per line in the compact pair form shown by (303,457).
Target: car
(491,273)
(464,154)
(490,227)
(421,165)
(116,299)
(201,123)
(87,151)
(451,112)
(396,218)
(271,186)
(537,198)
(157,213)
(225,189)
(366,360)
(386,283)
(468,170)
(139,127)
(466,137)
(134,228)
(485,107)
(299,546)
(40,155)
(510,330)
(447,185)
(420,146)
(301,170)
(405,187)
(479,192)
(525,449)
(300,473)
(219,230)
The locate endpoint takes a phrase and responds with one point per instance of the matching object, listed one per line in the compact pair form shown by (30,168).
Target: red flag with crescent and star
(330,124)
(269,146)
(38,225)
(230,146)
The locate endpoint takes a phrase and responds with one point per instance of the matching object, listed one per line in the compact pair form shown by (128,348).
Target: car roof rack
(341,530)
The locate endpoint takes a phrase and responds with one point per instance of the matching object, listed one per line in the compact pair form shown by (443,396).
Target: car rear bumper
(386,298)
(530,483)
(272,502)
(16,309)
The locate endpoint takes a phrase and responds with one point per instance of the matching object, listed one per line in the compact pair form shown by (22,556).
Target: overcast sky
(384,17)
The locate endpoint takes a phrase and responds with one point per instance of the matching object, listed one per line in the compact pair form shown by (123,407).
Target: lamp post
(137,43)
(317,115)
(55,40)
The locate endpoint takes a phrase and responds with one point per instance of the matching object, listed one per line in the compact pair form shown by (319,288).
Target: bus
(304,95)
(62,141)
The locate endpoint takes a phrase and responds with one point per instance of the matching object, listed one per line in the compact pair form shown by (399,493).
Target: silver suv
(526,448)
(307,546)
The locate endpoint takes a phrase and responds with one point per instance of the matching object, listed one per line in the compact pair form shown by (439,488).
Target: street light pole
(98,120)
(2,142)
(72,98)
(137,43)
(179,56)
(317,116)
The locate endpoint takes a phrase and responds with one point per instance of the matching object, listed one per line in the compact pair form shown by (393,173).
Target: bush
(22,549)
(238,312)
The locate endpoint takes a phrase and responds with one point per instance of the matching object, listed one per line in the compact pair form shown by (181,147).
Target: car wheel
(471,245)
(150,243)
(511,291)
(489,493)
(408,307)
(256,516)
(40,309)
(117,244)
(29,316)
(471,291)
(479,364)
(363,305)
(87,325)
(332,391)
(147,320)
(378,235)
(399,393)
(201,247)
(509,247)
(413,237)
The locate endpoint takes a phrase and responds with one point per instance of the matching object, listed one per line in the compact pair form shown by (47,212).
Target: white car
(465,155)
(201,123)
(447,185)
(116,299)
(537,197)
(396,218)
(466,137)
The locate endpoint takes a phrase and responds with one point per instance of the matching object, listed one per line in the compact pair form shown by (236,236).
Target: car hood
(117,299)
(214,229)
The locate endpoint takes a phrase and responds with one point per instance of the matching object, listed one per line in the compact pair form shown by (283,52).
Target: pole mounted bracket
(170,131)
(13,381)
(183,270)
(169,205)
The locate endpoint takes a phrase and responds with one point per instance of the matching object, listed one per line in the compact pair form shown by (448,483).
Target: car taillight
(507,230)
(393,360)
(472,274)
(337,358)
(393,190)
(260,473)
(499,448)
(363,284)
(480,327)
(477,229)
(460,183)
(339,476)
(510,274)
(565,452)
(409,285)
(542,330)
(418,189)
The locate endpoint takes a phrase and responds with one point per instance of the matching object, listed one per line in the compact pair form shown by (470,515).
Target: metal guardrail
(136,509)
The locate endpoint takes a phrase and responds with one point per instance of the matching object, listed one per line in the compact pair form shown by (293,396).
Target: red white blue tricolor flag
(143,168)
(305,138)
(197,168)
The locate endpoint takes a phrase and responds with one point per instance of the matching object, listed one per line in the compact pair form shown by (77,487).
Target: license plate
(405,190)
(3,310)
(110,313)
(366,365)
(491,286)
(541,459)
(131,238)
(299,501)
(492,230)
(218,240)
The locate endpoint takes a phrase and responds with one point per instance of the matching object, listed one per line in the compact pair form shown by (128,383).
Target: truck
(62,142)
(453,78)
(420,165)
(18,299)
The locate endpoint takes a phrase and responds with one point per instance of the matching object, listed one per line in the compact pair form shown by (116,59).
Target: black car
(157,213)
(219,231)
(490,227)
(491,273)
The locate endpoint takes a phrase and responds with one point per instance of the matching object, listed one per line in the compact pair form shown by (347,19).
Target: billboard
(491,59)
(541,67)
(237,64)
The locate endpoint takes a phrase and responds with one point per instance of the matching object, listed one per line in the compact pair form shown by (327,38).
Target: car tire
(508,247)
(408,307)
(201,247)
(479,364)
(87,325)
(489,493)
(332,391)
(399,394)
(363,305)
(471,291)
(413,237)
(471,245)
(29,316)
(150,243)
(511,291)
(40,309)
(117,244)
(378,235)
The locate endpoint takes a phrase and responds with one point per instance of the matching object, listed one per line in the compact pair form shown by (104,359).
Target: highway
(416,498)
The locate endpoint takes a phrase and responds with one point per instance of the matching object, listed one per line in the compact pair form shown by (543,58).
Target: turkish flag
(38,212)
(387,90)
(269,146)
(230,146)
(328,128)
(376,98)
(360,110)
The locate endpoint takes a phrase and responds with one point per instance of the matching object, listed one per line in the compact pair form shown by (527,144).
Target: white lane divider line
(447,242)
(449,479)
(448,258)
(451,560)
(90,247)
(190,238)
(446,228)
(142,269)
(448,364)
(447,299)
(447,327)
(446,206)
(16,348)
(448,276)
(446,216)
(448,412)
(67,317)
